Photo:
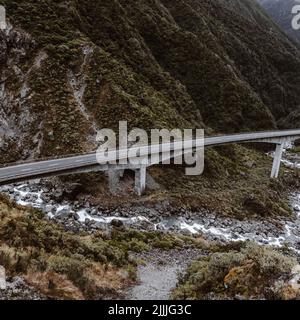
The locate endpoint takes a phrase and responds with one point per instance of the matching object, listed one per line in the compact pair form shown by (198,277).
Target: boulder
(117,223)
(63,214)
(76,216)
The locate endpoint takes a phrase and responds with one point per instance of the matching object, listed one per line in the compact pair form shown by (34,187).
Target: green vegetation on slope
(64,265)
(229,184)
(247,271)
(168,64)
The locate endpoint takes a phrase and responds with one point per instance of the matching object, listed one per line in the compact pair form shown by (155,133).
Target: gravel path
(160,273)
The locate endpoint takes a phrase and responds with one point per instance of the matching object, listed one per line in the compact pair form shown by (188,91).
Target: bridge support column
(140,180)
(114,179)
(277,161)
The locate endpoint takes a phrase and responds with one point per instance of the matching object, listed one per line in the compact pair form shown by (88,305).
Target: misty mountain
(281,12)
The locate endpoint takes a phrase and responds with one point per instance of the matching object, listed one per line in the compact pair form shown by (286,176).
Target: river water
(283,232)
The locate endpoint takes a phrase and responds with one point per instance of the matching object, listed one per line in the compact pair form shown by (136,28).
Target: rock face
(70,67)
(281,12)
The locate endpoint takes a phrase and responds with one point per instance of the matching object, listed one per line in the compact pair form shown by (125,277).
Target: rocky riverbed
(78,217)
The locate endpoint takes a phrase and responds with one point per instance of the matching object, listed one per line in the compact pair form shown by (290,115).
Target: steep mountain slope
(70,67)
(281,12)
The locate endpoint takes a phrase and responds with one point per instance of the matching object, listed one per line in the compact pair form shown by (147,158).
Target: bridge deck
(19,172)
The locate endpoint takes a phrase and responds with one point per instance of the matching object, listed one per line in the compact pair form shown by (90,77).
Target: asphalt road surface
(36,169)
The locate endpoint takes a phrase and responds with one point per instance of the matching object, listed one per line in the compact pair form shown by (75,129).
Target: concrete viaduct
(89,163)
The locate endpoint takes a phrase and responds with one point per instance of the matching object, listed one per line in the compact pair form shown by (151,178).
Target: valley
(71,68)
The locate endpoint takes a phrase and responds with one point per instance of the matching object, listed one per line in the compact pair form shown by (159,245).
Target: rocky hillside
(70,67)
(281,12)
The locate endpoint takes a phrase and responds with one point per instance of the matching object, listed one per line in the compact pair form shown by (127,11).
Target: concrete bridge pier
(277,160)
(114,176)
(140,180)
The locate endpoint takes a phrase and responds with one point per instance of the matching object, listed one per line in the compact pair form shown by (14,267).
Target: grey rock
(186,232)
(49,209)
(88,222)
(45,197)
(239,297)
(63,214)
(94,212)
(99,225)
(76,216)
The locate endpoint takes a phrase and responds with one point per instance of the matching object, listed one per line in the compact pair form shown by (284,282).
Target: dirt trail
(160,273)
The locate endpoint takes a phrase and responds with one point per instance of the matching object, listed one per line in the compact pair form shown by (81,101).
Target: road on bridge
(36,169)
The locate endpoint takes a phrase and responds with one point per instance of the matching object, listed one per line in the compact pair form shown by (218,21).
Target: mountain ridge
(83,65)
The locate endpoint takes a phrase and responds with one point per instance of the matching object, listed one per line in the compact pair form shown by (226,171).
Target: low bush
(252,272)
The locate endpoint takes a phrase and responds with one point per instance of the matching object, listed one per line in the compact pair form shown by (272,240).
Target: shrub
(251,272)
